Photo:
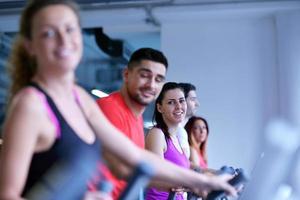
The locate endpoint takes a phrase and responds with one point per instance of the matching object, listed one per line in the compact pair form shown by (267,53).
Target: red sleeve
(112,112)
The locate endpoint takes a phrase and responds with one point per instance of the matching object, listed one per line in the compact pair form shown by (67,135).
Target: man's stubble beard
(139,100)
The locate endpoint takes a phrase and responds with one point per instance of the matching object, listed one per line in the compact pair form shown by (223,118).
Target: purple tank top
(173,155)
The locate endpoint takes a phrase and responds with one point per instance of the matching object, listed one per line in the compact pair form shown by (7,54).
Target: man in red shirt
(143,77)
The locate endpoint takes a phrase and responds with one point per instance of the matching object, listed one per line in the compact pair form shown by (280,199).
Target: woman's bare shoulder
(155,131)
(156,135)
(25,113)
(27,105)
(27,99)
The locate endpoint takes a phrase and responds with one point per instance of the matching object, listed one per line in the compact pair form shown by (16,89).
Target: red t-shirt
(119,114)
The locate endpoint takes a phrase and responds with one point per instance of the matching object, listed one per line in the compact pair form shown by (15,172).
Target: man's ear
(125,74)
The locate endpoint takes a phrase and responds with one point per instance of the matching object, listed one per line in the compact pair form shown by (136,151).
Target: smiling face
(173,106)
(144,82)
(199,131)
(56,40)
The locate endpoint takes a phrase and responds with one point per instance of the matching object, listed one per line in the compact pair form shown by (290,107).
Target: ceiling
(145,11)
(16,5)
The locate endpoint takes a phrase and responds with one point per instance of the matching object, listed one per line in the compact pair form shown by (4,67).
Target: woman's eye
(48,34)
(171,102)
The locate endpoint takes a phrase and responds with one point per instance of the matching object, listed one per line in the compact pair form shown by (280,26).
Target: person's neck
(172,129)
(60,86)
(135,107)
(185,120)
(196,144)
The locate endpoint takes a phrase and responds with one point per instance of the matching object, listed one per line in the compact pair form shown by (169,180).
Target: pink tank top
(202,162)
(50,113)
(172,154)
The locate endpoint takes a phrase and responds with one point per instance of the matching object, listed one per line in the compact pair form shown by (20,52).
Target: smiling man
(143,78)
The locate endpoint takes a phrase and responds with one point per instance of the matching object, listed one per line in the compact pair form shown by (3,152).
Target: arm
(21,132)
(194,158)
(155,142)
(132,155)
(119,169)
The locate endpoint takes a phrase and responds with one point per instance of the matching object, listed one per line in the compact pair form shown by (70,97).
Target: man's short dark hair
(147,54)
(187,87)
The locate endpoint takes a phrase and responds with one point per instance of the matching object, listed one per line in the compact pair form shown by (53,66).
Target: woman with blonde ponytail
(21,67)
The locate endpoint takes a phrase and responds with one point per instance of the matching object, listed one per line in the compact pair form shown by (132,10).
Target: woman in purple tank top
(170,110)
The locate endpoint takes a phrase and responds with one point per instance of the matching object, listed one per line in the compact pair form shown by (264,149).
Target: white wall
(289,64)
(233,61)
(223,59)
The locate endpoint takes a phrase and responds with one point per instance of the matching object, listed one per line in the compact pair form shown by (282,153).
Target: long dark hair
(157,116)
(189,126)
(22,66)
